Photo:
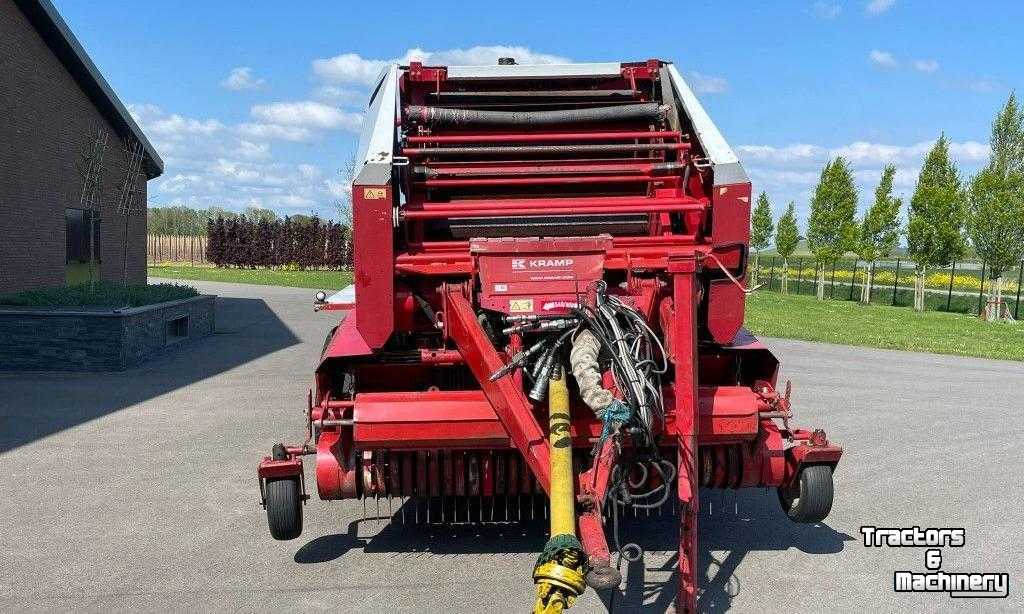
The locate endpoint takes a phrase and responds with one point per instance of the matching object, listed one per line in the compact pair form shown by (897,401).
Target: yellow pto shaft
(559,573)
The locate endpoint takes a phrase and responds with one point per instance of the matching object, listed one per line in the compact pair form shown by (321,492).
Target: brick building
(54,107)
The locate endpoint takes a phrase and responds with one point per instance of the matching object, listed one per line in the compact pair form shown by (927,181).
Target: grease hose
(454,116)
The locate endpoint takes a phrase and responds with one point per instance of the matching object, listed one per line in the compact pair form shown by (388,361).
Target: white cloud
(342,96)
(338,189)
(790,172)
(207,163)
(707,84)
(308,114)
(242,78)
(256,130)
(785,154)
(877,7)
(353,68)
(253,151)
(858,153)
(926,66)
(309,171)
(827,10)
(155,122)
(882,59)
(982,86)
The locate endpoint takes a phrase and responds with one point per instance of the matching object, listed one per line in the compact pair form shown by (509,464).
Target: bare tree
(90,168)
(128,199)
(343,205)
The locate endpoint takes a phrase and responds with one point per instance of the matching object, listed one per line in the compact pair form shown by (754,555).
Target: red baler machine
(550,267)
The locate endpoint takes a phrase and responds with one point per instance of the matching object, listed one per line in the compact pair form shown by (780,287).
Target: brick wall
(45,121)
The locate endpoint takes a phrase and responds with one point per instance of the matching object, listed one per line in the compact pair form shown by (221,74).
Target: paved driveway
(136,491)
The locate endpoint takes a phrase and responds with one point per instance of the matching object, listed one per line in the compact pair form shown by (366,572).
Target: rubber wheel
(284,508)
(810,498)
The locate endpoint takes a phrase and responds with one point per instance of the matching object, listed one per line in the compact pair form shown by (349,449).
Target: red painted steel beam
(533,168)
(445,213)
(544,136)
(685,297)
(508,400)
(515,150)
(498,181)
(577,202)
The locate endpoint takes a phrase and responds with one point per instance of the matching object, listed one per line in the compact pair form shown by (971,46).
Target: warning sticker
(375,193)
(519,305)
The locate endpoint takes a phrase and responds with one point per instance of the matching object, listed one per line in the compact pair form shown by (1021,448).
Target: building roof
(59,38)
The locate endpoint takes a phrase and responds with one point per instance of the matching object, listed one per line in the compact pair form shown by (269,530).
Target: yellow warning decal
(519,305)
(375,193)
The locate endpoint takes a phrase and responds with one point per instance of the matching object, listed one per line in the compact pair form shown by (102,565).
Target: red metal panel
(408,420)
(730,214)
(373,256)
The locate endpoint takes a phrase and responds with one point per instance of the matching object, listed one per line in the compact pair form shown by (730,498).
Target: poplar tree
(996,219)
(879,230)
(761,229)
(937,218)
(831,228)
(787,237)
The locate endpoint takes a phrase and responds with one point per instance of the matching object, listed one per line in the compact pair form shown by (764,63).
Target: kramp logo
(523,264)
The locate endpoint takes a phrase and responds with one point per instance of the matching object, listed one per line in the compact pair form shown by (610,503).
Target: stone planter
(87,339)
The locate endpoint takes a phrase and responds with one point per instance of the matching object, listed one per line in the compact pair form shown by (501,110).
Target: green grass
(320,280)
(103,294)
(898,328)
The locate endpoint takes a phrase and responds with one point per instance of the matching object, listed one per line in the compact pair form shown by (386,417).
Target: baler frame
(684,276)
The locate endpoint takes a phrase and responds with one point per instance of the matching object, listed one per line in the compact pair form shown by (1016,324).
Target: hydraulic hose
(585,368)
(456,117)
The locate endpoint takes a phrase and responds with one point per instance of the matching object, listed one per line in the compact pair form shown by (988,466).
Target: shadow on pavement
(35,405)
(739,522)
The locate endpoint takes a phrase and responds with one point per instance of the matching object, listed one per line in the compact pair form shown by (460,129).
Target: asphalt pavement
(136,491)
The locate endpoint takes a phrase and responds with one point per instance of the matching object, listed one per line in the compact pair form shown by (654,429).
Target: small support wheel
(809,499)
(284,508)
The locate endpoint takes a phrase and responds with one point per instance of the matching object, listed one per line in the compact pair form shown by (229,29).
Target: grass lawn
(898,328)
(320,280)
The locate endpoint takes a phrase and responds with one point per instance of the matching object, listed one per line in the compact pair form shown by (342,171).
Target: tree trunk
(865,288)
(994,308)
(820,281)
(785,275)
(919,289)
(757,268)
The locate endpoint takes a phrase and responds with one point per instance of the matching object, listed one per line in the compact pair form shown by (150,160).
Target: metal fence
(175,249)
(961,287)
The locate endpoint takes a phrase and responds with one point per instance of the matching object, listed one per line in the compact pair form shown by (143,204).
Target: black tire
(284,508)
(810,498)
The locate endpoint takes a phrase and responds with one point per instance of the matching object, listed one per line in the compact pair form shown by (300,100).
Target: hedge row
(250,243)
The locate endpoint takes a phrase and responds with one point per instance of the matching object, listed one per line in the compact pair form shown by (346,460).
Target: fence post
(949,294)
(853,279)
(895,282)
(1020,279)
(771,274)
(800,276)
(871,280)
(981,290)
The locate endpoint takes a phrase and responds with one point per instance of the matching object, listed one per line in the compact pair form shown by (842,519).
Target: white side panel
(533,71)
(377,141)
(711,140)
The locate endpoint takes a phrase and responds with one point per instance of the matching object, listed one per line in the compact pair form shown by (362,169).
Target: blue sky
(255,103)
